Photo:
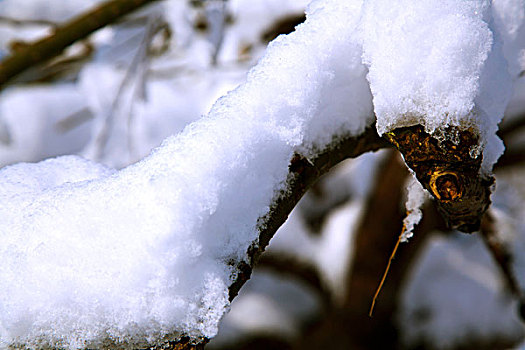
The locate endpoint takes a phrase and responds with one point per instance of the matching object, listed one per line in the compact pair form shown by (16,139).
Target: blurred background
(117,94)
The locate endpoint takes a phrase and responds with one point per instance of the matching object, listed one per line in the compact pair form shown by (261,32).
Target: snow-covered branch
(303,173)
(155,252)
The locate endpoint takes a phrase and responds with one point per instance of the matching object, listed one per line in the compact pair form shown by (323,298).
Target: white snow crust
(89,253)
(441,63)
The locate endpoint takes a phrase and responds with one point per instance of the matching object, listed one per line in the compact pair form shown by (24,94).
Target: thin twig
(133,81)
(65,35)
(386,271)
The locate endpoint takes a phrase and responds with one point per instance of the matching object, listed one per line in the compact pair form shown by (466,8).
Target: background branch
(78,28)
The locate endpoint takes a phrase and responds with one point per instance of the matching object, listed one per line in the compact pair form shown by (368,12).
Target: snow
(90,253)
(509,16)
(439,64)
(136,255)
(416,197)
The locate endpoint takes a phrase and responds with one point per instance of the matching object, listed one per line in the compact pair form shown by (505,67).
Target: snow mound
(441,63)
(91,255)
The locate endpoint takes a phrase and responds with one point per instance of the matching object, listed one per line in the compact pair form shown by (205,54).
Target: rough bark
(450,170)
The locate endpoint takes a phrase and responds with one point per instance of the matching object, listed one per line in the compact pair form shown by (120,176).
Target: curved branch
(65,35)
(302,174)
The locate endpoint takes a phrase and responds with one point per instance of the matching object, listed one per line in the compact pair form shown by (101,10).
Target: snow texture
(89,253)
(440,63)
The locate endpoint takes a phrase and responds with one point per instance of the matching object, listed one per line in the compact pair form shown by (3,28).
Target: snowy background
(121,210)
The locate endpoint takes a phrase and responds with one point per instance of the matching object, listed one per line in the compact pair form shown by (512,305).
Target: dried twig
(74,30)
(383,279)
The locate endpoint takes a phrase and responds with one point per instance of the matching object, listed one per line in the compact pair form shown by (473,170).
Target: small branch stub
(450,170)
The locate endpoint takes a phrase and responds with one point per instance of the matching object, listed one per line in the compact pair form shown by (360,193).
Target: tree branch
(513,156)
(449,170)
(65,35)
(511,127)
(302,174)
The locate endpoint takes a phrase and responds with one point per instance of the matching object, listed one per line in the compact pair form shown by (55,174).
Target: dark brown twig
(65,35)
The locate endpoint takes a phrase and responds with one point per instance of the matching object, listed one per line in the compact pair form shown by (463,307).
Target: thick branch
(450,170)
(302,174)
(512,157)
(509,128)
(72,31)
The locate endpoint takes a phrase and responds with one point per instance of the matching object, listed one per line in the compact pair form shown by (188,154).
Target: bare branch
(65,35)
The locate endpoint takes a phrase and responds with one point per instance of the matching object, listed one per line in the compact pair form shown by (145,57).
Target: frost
(91,254)
(416,197)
